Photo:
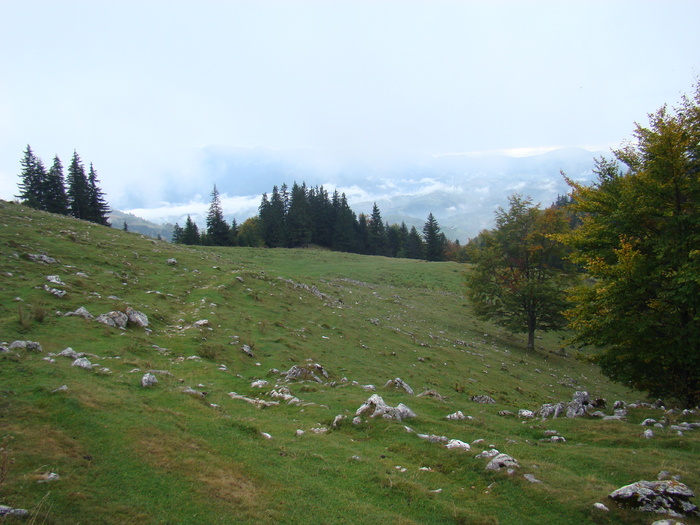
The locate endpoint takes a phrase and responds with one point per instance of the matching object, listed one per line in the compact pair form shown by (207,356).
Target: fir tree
(376,233)
(414,244)
(177,234)
(98,207)
(56,200)
(190,233)
(298,218)
(434,240)
(217,228)
(32,185)
(78,189)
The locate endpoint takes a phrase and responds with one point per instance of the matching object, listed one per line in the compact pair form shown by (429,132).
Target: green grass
(127,454)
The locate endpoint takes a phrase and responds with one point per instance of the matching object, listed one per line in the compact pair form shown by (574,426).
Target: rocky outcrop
(484,399)
(114,319)
(662,497)
(502,461)
(375,406)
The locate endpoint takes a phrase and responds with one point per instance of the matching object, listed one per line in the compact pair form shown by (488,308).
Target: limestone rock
(136,317)
(32,346)
(300,373)
(114,319)
(552,410)
(148,379)
(69,352)
(171,262)
(82,362)
(41,258)
(525,414)
(9,511)
(483,399)
(502,461)
(80,312)
(376,406)
(456,416)
(457,444)
(661,497)
(399,383)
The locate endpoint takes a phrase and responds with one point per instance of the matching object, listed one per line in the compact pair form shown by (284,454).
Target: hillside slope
(210,442)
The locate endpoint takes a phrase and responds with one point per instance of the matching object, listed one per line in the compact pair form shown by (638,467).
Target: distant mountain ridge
(462,191)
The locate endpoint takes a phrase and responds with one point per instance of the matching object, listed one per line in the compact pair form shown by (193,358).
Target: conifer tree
(298,218)
(344,237)
(376,233)
(217,228)
(33,180)
(177,234)
(98,207)
(414,244)
(434,240)
(56,200)
(190,233)
(78,189)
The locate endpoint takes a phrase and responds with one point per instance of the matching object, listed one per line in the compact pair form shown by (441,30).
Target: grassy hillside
(130,454)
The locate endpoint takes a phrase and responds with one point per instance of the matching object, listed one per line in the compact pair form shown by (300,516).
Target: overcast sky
(141,88)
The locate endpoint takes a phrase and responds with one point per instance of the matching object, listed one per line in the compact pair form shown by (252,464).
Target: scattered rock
(202,323)
(432,393)
(55,279)
(48,477)
(80,312)
(662,497)
(456,416)
(148,379)
(648,433)
(578,405)
(194,393)
(301,373)
(483,399)
(399,383)
(525,414)
(432,438)
(492,453)
(602,507)
(376,405)
(82,362)
(549,410)
(260,403)
(247,350)
(457,444)
(62,388)
(171,262)
(502,461)
(260,383)
(115,319)
(55,291)
(69,352)
(136,317)
(41,258)
(9,511)
(31,346)
(531,478)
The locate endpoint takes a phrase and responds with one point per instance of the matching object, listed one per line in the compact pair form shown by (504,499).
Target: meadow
(221,319)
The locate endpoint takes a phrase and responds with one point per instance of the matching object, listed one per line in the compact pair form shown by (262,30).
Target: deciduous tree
(640,244)
(515,281)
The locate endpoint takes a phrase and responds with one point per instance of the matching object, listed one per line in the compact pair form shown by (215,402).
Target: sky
(146,90)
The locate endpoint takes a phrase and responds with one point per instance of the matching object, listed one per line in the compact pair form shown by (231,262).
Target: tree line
(617,261)
(310,216)
(78,194)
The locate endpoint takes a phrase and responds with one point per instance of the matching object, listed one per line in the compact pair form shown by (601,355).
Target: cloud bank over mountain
(461,190)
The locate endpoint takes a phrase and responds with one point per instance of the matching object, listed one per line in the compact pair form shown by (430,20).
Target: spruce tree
(98,207)
(190,233)
(414,245)
(434,240)
(377,239)
(217,228)
(78,189)
(177,234)
(56,200)
(33,175)
(298,218)
(344,235)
